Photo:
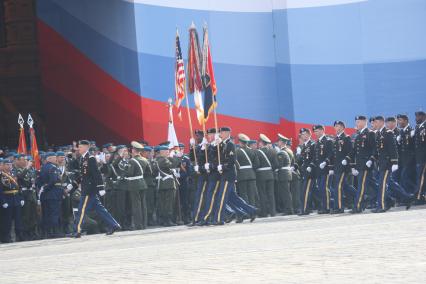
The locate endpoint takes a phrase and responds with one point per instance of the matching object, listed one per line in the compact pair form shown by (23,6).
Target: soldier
(419,135)
(186,171)
(407,161)
(118,166)
(91,185)
(265,176)
(147,153)
(387,158)
(137,187)
(247,163)
(11,203)
(305,162)
(362,158)
(25,175)
(166,186)
(342,158)
(295,176)
(284,175)
(67,187)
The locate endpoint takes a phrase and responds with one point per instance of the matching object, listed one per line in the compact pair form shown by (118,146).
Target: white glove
(38,202)
(398,138)
(322,165)
(102,192)
(219,168)
(394,168)
(192,141)
(298,150)
(218,140)
(344,162)
(412,133)
(207,166)
(22,203)
(354,172)
(197,168)
(309,169)
(330,172)
(5,205)
(369,163)
(69,186)
(292,168)
(172,154)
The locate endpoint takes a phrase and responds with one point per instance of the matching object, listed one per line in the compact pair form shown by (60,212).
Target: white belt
(246,167)
(134,178)
(264,169)
(165,177)
(285,168)
(24,189)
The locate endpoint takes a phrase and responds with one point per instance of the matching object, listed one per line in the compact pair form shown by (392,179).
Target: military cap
(181,145)
(402,116)
(162,148)
(1,161)
(390,119)
(243,138)
(379,117)
(211,131)
(264,138)
(93,142)
(18,156)
(147,148)
(107,145)
(283,138)
(303,130)
(165,143)
(7,161)
(360,117)
(339,122)
(136,145)
(251,142)
(29,158)
(318,127)
(225,128)
(120,147)
(60,154)
(144,142)
(49,154)
(199,132)
(84,142)
(419,113)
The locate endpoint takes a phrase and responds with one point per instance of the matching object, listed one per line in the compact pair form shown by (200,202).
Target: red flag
(179,77)
(22,145)
(209,83)
(34,147)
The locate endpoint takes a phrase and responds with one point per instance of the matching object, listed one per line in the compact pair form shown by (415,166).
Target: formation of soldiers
(219,179)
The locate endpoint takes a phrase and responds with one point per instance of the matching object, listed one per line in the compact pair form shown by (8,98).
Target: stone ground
(365,248)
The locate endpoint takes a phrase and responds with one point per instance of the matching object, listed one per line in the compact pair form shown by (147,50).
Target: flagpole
(190,126)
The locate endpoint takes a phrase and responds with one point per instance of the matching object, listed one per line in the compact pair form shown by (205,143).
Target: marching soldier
(247,163)
(91,185)
(265,176)
(185,175)
(284,175)
(342,158)
(11,203)
(420,152)
(67,187)
(295,176)
(407,158)
(151,191)
(166,186)
(306,158)
(137,187)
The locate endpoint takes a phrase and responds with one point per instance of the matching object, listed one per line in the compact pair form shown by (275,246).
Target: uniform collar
(84,155)
(306,143)
(340,134)
(421,124)
(381,129)
(319,139)
(362,130)
(405,128)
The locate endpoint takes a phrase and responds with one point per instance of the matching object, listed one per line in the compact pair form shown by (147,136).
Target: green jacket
(267,164)
(149,174)
(284,164)
(247,163)
(165,177)
(295,173)
(135,174)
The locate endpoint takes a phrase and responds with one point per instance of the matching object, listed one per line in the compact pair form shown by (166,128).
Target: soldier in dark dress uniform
(419,135)
(305,163)
(407,160)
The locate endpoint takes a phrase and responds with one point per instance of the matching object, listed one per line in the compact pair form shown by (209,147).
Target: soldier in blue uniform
(419,135)
(407,160)
(91,185)
(323,155)
(342,158)
(305,162)
(11,203)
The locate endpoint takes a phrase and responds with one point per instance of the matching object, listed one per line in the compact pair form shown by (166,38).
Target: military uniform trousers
(165,205)
(247,190)
(138,211)
(199,196)
(150,198)
(407,177)
(239,205)
(184,197)
(364,179)
(285,200)
(88,203)
(306,194)
(210,197)
(295,192)
(9,215)
(341,188)
(51,203)
(221,199)
(29,214)
(421,176)
(267,197)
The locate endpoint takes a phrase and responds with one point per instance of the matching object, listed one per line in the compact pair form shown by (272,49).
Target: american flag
(179,77)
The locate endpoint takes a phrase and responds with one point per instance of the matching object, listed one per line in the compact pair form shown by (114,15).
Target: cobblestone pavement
(366,248)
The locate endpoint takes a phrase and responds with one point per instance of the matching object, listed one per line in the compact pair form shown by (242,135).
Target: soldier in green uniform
(166,186)
(265,176)
(151,191)
(65,180)
(247,163)
(25,175)
(284,176)
(137,187)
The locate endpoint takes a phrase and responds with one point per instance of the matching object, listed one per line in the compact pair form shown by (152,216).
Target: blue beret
(7,161)
(84,142)
(60,154)
(120,147)
(181,145)
(162,148)
(29,158)
(147,148)
(1,160)
(49,154)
